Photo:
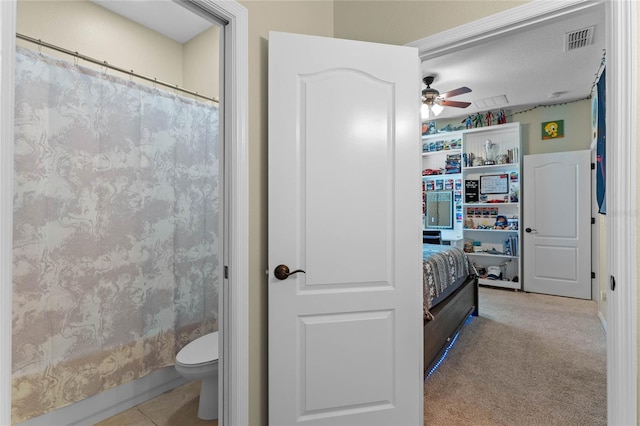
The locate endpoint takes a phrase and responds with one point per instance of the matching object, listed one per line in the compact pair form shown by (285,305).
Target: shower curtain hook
(131,75)
(106,67)
(75,59)
(40,46)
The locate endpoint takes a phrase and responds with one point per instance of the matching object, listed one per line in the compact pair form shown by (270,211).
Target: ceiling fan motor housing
(429,95)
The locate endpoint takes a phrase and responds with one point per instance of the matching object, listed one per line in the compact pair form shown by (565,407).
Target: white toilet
(199,361)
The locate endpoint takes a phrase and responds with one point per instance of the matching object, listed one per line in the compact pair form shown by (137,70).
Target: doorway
(233,18)
(134,175)
(621,162)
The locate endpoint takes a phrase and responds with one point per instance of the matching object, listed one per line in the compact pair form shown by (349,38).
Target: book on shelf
(510,246)
(471,191)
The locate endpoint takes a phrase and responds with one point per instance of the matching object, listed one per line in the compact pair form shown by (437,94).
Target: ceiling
(529,68)
(164,17)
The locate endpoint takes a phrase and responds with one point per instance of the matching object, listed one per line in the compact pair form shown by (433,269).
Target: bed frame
(449,316)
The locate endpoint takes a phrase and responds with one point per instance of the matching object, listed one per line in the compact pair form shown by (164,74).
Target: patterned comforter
(442,268)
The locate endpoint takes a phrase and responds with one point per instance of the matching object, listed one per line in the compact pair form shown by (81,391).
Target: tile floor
(178,407)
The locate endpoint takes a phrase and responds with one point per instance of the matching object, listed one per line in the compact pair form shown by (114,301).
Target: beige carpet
(528,359)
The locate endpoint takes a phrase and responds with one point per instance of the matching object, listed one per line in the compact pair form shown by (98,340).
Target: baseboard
(111,402)
(603,321)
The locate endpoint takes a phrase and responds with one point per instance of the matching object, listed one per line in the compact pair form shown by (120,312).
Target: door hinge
(593,220)
(593,166)
(593,275)
(226,272)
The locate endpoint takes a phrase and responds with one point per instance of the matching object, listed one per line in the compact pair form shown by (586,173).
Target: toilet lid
(202,350)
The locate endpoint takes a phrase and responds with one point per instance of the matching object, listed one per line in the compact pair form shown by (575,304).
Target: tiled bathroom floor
(178,407)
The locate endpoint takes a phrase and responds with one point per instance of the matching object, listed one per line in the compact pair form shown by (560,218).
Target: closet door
(345,332)
(557,224)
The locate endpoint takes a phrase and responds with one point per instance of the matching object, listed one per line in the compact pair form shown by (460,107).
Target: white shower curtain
(116,241)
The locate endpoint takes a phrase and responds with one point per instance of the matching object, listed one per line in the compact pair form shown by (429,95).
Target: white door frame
(622,44)
(622,218)
(235,309)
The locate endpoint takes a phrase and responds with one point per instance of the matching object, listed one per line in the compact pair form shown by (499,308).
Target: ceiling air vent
(577,39)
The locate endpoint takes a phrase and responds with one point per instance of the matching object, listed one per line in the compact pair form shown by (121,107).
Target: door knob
(529,230)
(282,272)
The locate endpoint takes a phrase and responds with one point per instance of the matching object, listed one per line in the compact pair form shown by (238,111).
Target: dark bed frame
(449,316)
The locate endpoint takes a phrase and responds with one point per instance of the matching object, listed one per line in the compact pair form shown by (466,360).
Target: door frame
(235,304)
(621,222)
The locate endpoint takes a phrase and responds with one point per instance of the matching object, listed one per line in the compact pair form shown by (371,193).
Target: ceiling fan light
(436,109)
(425,111)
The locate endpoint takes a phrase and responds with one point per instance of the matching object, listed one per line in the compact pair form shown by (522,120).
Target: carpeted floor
(528,359)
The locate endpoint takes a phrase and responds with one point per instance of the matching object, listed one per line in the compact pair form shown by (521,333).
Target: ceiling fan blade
(455,92)
(455,104)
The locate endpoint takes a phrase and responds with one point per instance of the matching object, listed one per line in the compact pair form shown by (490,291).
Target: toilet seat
(203,350)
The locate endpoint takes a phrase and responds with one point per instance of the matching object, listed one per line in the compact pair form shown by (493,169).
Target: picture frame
(494,184)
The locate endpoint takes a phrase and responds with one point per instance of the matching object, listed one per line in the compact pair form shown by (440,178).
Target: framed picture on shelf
(494,184)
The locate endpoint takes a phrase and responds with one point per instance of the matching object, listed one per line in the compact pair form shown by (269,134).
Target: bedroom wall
(577,121)
(577,128)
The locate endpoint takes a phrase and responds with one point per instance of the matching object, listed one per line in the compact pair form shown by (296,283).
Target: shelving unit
(439,152)
(483,193)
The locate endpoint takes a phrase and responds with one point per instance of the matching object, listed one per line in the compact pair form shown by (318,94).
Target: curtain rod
(113,67)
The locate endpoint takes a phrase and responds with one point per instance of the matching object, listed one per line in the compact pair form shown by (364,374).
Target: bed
(450,296)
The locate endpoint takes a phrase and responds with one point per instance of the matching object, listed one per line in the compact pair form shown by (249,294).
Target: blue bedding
(444,270)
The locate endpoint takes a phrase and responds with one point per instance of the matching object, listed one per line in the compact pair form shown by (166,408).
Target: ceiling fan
(433,102)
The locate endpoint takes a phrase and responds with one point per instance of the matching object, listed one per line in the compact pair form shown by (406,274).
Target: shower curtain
(116,231)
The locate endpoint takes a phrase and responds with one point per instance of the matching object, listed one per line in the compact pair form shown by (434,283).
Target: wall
(401,22)
(101,34)
(304,17)
(577,128)
(201,63)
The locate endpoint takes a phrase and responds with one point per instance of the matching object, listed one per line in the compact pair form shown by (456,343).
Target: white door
(557,224)
(345,336)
